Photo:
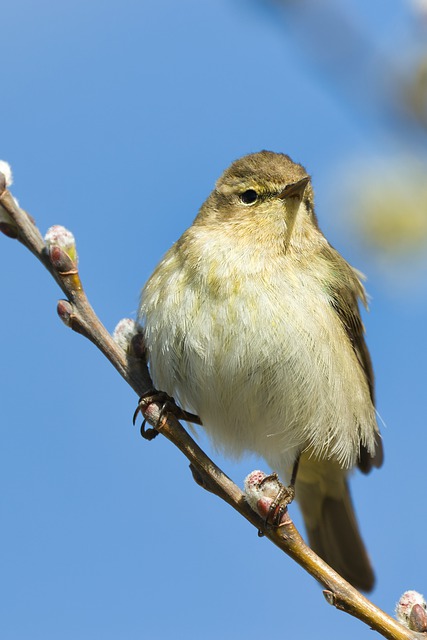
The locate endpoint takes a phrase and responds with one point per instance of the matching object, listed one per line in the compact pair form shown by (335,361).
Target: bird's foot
(168,406)
(281,501)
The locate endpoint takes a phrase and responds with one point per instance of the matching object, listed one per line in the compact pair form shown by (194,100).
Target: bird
(251,321)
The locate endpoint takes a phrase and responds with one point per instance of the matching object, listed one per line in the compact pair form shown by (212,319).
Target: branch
(77,313)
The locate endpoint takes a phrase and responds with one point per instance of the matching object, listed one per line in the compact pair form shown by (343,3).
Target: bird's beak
(295,189)
(292,196)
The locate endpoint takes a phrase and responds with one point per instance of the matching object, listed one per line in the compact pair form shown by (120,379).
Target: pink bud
(61,237)
(125,331)
(261,491)
(6,170)
(411,611)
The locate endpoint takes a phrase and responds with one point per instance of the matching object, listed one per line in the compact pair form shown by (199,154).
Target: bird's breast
(251,344)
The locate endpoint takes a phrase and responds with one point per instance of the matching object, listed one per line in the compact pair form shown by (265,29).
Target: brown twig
(77,313)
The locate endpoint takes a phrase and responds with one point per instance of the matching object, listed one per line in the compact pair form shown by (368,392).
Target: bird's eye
(249,196)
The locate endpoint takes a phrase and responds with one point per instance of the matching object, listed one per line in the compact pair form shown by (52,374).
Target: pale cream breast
(250,346)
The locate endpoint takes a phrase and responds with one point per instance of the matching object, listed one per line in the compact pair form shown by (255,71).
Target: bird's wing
(345,290)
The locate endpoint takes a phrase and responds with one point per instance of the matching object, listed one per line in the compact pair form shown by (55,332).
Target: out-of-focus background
(117,118)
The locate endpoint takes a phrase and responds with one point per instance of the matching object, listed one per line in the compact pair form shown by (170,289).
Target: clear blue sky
(117,118)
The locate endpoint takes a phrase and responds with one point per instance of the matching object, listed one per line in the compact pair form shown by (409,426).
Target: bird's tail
(333,533)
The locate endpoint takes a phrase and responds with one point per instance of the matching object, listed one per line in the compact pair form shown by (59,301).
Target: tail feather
(332,528)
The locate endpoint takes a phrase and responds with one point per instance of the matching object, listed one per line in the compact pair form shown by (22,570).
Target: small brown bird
(252,322)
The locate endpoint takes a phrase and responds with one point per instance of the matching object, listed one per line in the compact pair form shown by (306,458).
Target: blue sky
(117,120)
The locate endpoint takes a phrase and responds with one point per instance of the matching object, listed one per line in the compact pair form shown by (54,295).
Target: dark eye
(249,196)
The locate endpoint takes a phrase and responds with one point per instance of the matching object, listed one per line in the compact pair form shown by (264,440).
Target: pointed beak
(294,190)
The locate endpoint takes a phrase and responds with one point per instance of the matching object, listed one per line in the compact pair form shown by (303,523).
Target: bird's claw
(282,500)
(150,397)
(168,406)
